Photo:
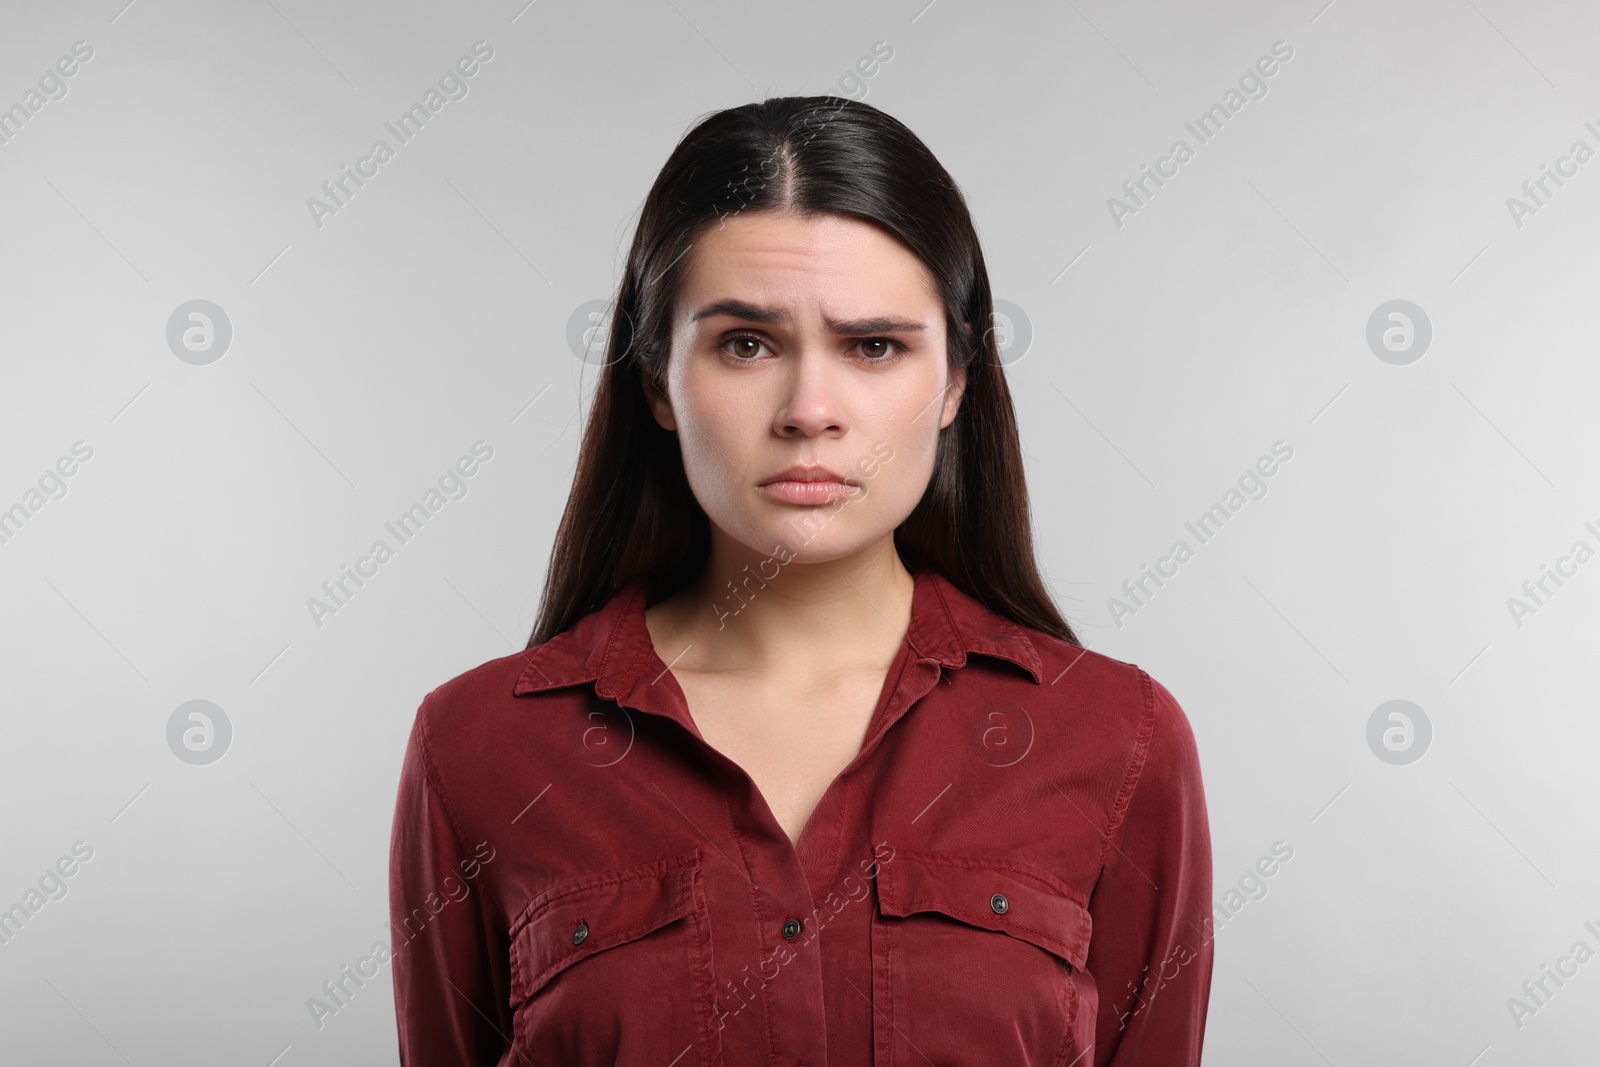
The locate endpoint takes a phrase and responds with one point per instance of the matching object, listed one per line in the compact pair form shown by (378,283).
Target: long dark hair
(631,514)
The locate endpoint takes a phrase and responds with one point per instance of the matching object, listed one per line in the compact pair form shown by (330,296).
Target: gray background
(1167,355)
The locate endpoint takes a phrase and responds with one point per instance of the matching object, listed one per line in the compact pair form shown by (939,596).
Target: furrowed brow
(883,324)
(741,310)
(772,316)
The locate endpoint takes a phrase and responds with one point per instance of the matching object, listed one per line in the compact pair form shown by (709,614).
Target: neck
(780,618)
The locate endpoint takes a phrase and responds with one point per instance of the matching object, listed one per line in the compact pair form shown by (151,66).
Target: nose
(811,403)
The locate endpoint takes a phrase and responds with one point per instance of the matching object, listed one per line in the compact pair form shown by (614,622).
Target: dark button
(580,933)
(999,903)
(791,930)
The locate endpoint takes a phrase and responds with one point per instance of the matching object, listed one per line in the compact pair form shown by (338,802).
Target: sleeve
(1151,948)
(450,963)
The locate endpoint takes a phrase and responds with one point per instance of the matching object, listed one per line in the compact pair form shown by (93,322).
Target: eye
(741,347)
(881,349)
(747,348)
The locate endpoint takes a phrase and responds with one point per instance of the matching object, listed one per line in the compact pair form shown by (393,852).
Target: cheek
(910,426)
(718,428)
(898,456)
(904,476)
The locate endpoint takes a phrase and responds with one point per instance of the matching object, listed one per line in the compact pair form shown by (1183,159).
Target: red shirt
(1014,869)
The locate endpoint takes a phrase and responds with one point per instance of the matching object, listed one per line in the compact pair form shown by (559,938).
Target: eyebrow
(776,317)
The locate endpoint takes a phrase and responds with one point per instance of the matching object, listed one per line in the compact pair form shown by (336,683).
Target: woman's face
(807,343)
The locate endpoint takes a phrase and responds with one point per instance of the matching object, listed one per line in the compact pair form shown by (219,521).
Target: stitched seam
(656,870)
(430,774)
(628,672)
(643,928)
(640,661)
(1069,1038)
(990,865)
(761,925)
(647,925)
(701,965)
(1053,943)
(528,657)
(838,834)
(1141,748)
(888,985)
(1035,666)
(611,644)
(965,641)
(944,608)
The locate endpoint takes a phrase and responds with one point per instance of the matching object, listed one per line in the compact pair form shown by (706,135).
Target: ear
(952,396)
(660,406)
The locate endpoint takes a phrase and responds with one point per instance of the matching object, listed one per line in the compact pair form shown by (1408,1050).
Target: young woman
(801,766)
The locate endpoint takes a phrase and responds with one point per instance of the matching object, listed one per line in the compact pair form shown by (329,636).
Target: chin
(797,536)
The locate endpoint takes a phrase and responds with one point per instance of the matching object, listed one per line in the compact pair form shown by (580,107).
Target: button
(999,903)
(580,933)
(791,930)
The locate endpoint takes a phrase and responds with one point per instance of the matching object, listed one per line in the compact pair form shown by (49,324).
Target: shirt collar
(611,646)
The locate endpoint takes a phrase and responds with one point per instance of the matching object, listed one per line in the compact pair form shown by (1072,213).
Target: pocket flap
(586,915)
(1035,907)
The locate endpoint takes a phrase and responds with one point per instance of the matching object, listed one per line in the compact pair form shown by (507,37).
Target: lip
(817,473)
(808,486)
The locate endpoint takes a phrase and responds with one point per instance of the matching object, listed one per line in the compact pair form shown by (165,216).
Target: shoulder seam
(430,776)
(1141,749)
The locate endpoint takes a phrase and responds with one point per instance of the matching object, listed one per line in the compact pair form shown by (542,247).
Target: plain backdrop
(1155,355)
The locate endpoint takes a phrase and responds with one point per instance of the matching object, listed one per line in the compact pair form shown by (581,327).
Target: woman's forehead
(782,267)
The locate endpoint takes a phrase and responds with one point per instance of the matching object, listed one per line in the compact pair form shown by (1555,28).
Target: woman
(801,765)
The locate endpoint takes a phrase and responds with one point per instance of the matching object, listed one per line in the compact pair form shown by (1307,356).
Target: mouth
(807,485)
(808,474)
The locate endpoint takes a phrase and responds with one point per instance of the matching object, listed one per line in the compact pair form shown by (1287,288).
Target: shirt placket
(768,969)
(775,985)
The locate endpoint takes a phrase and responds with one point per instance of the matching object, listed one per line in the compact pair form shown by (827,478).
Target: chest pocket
(982,953)
(615,967)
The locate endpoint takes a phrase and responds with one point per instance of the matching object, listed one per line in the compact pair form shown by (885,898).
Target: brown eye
(880,349)
(743,347)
